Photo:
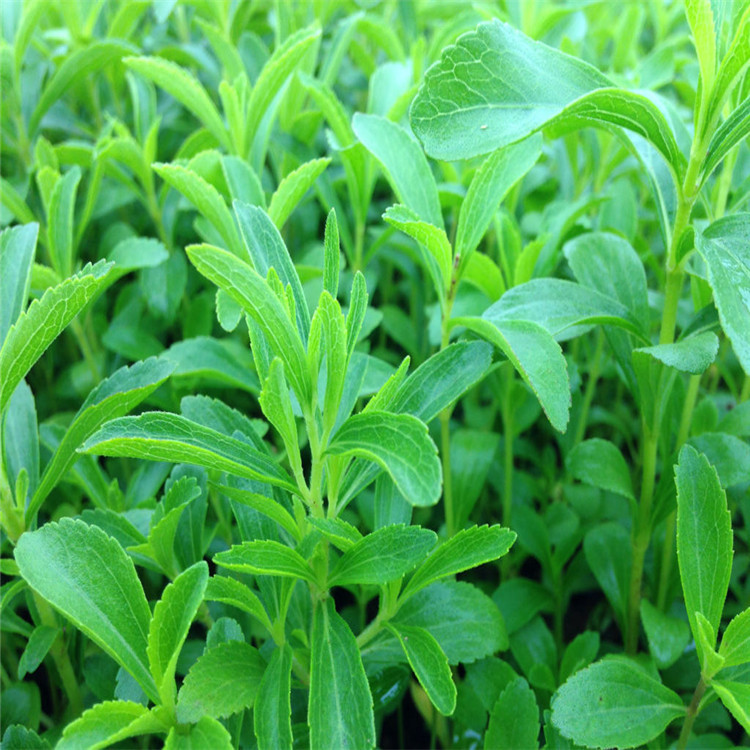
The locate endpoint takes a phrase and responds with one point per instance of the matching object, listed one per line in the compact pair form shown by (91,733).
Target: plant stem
(692,712)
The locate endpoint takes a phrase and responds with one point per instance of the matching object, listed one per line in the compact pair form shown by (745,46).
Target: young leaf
(514,719)
(113,397)
(736,697)
(246,287)
(357,310)
(384,555)
(695,354)
(224,680)
(232,592)
(17,246)
(173,616)
(38,646)
(265,558)
(704,540)
(599,463)
(105,601)
(277,406)
(331,259)
(456,118)
(37,327)
(60,222)
(614,702)
(731,132)
(735,644)
(667,636)
(467,549)
(292,189)
(340,706)
(607,551)
(265,505)
(724,247)
(403,163)
(272,712)
(430,665)
(160,436)
(108,723)
(340,534)
(208,732)
(398,443)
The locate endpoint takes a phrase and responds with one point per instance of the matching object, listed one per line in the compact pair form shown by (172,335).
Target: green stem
(692,712)
(445,415)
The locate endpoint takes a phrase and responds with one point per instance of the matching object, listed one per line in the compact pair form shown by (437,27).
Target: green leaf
(44,320)
(208,732)
(206,198)
(184,87)
(160,436)
(496,86)
(277,407)
(430,665)
(232,592)
(246,287)
(599,463)
(37,647)
(725,246)
(489,186)
(701,20)
(667,636)
(104,600)
(265,505)
(135,253)
(340,710)
(60,222)
(514,719)
(607,551)
(728,454)
(108,723)
(272,712)
(467,549)
(732,131)
(224,680)
(113,397)
(439,260)
(265,558)
(331,256)
(704,540)
(357,310)
(77,66)
(579,653)
(173,616)
(341,534)
(536,356)
(694,354)
(384,555)
(614,703)
(735,643)
(292,189)
(403,163)
(736,697)
(334,345)
(17,246)
(242,181)
(398,443)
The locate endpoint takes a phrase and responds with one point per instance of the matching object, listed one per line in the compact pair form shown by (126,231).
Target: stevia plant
(458,254)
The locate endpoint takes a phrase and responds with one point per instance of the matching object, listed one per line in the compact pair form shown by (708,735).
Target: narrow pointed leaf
(272,712)
(292,189)
(599,463)
(265,558)
(17,246)
(735,644)
(232,592)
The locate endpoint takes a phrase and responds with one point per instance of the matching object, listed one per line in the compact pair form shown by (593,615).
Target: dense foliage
(375,374)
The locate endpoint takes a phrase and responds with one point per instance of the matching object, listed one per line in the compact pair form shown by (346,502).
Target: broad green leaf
(60,222)
(732,131)
(265,558)
(37,647)
(560,306)
(704,539)
(43,321)
(113,397)
(383,556)
(232,592)
(184,87)
(208,732)
(667,636)
(614,703)
(17,246)
(160,436)
(430,665)
(607,551)
(223,681)
(468,549)
(108,723)
(736,697)
(173,616)
(331,256)
(472,453)
(272,711)
(490,184)
(701,20)
(292,189)
(340,710)
(19,737)
(135,253)
(439,260)
(482,272)
(104,600)
(496,86)
(599,463)
(19,444)
(341,534)
(725,246)
(728,454)
(205,197)
(160,545)
(76,67)
(579,653)
(246,287)
(242,181)
(536,356)
(735,643)
(265,505)
(398,443)
(514,719)
(267,250)
(694,354)
(403,163)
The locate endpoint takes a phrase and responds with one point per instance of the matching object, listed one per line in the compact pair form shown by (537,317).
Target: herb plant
(375,374)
